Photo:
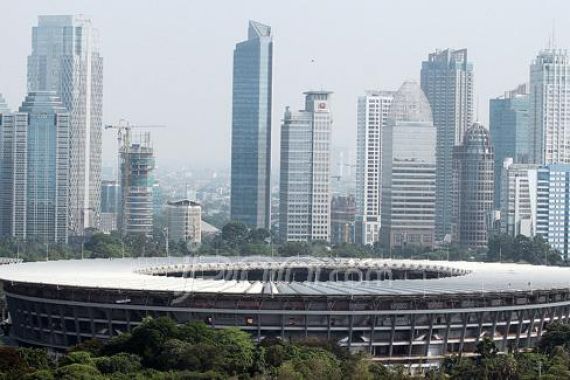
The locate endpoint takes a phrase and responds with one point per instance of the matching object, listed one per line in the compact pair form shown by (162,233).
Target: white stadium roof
(136,274)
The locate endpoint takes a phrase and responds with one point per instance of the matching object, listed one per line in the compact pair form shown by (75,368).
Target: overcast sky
(170,62)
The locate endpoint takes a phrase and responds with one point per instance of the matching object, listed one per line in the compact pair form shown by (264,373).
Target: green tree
(36,358)
(235,233)
(103,246)
(43,374)
(77,357)
(238,350)
(556,335)
(122,363)
(78,372)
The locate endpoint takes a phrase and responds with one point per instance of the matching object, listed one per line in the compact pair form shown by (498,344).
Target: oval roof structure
(140,274)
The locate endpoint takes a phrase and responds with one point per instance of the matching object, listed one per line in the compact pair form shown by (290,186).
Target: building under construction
(136,164)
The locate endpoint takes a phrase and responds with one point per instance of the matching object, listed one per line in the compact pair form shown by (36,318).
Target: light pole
(166,235)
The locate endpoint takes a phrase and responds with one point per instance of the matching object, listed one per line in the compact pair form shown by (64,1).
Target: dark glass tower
(447,81)
(251,128)
(473,175)
(508,125)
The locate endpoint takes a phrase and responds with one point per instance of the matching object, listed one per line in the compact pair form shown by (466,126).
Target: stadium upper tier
(288,276)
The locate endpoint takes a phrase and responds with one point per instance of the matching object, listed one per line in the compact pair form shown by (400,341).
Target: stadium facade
(408,312)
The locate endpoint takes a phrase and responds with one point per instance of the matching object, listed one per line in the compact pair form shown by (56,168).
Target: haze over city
(171,62)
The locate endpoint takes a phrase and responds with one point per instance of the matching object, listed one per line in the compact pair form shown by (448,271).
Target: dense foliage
(161,349)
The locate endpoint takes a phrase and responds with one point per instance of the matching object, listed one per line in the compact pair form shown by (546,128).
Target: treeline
(236,239)
(161,349)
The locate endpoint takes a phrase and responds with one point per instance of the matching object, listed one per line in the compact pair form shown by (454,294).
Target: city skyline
(301,65)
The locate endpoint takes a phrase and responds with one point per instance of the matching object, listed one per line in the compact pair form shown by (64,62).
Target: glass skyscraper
(251,128)
(508,124)
(34,181)
(65,59)
(473,177)
(447,81)
(553,206)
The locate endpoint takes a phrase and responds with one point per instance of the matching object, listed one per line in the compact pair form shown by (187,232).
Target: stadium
(397,311)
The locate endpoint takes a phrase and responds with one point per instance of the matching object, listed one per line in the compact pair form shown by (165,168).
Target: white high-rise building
(408,171)
(518,198)
(65,58)
(304,194)
(549,103)
(372,114)
(184,220)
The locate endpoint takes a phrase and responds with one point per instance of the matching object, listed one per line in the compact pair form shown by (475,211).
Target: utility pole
(166,233)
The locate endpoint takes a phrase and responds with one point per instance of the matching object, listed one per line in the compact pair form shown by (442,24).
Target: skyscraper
(34,152)
(549,102)
(553,206)
(408,171)
(447,81)
(508,125)
(65,58)
(518,198)
(251,128)
(372,115)
(136,176)
(473,176)
(13,169)
(304,193)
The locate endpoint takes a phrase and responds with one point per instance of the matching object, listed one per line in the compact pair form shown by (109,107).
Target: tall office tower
(110,197)
(508,125)
(34,152)
(518,198)
(65,58)
(447,81)
(184,220)
(549,102)
(13,168)
(343,210)
(372,115)
(136,177)
(251,128)
(553,205)
(304,193)
(473,190)
(408,171)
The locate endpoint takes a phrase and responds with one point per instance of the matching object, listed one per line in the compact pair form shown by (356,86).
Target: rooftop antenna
(554,33)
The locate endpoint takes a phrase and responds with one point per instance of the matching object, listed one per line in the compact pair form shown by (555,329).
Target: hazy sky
(170,62)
